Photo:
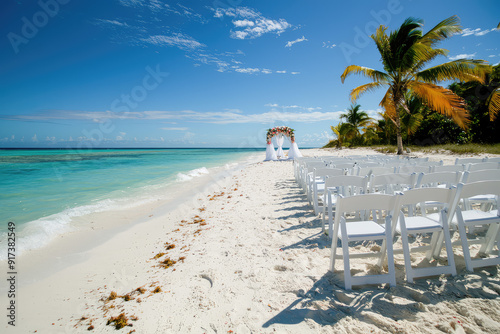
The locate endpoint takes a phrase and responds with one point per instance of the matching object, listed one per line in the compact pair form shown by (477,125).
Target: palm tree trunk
(399,137)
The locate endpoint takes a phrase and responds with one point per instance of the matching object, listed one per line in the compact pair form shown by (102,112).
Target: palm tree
(492,83)
(341,131)
(404,53)
(410,121)
(356,118)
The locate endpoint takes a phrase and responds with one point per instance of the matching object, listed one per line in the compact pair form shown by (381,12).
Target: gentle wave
(181,177)
(39,233)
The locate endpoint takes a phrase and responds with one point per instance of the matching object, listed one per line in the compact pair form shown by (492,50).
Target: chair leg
(465,244)
(345,252)
(333,254)
(435,250)
(390,259)
(449,247)
(487,247)
(406,253)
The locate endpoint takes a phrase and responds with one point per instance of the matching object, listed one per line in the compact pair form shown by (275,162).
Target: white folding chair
(362,171)
(483,166)
(391,183)
(438,226)
(460,161)
(413,169)
(346,186)
(364,229)
(448,168)
(318,185)
(487,201)
(474,217)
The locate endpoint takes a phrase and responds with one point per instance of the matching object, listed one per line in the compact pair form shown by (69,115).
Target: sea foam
(181,177)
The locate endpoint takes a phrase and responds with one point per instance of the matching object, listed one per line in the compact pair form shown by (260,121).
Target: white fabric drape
(270,152)
(293,151)
(280,138)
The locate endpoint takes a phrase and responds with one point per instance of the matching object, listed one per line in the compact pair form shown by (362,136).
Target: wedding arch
(279,133)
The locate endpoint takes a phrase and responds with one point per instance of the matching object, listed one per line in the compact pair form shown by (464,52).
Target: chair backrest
(397,163)
(483,166)
(364,164)
(347,185)
(391,183)
(368,203)
(481,175)
(347,165)
(310,165)
(318,172)
(448,168)
(362,171)
(435,179)
(466,190)
(421,195)
(494,159)
(460,161)
(429,163)
(413,169)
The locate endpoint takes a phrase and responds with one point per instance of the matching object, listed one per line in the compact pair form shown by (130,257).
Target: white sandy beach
(250,258)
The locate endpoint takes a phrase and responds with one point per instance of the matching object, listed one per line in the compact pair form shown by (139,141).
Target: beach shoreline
(250,257)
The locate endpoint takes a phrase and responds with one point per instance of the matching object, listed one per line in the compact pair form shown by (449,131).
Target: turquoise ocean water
(41,190)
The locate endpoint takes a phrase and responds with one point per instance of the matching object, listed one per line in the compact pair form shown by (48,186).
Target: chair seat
(473,216)
(419,223)
(482,198)
(364,230)
(320,186)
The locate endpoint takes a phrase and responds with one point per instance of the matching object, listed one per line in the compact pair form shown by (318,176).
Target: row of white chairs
(460,161)
(438,184)
(388,183)
(356,219)
(306,175)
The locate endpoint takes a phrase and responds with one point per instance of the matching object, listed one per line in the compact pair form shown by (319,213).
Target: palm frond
(461,69)
(442,30)
(388,104)
(420,54)
(360,90)
(382,42)
(494,104)
(442,100)
(366,71)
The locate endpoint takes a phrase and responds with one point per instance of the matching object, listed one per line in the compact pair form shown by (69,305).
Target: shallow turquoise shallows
(63,183)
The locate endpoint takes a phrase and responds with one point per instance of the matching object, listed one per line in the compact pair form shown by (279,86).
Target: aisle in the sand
(279,133)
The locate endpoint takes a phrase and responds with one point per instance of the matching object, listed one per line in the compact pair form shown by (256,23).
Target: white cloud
(181,41)
(298,40)
(113,22)
(250,23)
(266,71)
(463,56)
(281,72)
(34,138)
(223,117)
(295,73)
(247,70)
(476,32)
(277,106)
(243,23)
(329,45)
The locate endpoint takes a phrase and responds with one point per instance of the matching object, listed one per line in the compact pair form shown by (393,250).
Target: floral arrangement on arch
(280,129)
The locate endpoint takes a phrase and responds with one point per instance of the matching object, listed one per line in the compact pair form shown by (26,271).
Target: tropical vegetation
(414,104)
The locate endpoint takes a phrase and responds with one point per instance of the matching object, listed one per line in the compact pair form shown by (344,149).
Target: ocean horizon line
(135,148)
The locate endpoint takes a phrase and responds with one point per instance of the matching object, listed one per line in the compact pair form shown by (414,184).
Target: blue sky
(158,73)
